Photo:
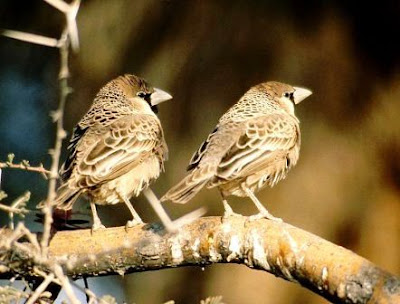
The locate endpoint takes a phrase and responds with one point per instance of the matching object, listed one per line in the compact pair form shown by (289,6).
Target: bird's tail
(187,188)
(65,198)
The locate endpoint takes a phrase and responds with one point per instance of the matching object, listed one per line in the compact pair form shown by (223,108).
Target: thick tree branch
(288,252)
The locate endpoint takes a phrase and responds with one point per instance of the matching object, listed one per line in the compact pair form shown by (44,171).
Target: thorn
(21,201)
(72,26)
(69,90)
(3,195)
(10,158)
(25,163)
(31,38)
(55,115)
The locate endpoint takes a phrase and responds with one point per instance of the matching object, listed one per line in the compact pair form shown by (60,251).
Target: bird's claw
(97,226)
(132,223)
(229,213)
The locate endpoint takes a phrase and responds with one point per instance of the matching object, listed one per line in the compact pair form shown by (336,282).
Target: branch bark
(334,272)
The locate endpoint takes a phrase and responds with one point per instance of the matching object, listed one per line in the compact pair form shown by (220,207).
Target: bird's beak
(158,97)
(300,94)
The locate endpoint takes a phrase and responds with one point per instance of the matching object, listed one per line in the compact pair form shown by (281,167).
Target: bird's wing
(204,164)
(107,152)
(68,166)
(198,155)
(260,140)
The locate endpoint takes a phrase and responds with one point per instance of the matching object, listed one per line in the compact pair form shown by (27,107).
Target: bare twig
(23,165)
(30,253)
(31,249)
(31,38)
(90,295)
(13,210)
(9,294)
(69,35)
(11,237)
(17,207)
(42,287)
(58,116)
(65,284)
(70,11)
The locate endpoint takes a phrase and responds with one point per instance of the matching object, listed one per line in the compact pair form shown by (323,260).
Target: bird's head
(285,95)
(141,93)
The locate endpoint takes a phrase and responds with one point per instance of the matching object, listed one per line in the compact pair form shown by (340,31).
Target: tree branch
(40,169)
(58,117)
(288,252)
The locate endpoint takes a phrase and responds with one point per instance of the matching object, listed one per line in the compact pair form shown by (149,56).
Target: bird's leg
(136,218)
(96,220)
(263,212)
(228,211)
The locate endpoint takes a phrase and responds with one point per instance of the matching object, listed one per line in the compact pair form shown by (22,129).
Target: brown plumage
(254,144)
(117,149)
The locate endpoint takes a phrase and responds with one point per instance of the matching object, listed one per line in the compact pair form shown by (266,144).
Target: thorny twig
(69,34)
(9,209)
(18,233)
(65,284)
(91,297)
(24,165)
(31,38)
(17,207)
(70,11)
(57,116)
(42,287)
(40,254)
(9,294)
(44,267)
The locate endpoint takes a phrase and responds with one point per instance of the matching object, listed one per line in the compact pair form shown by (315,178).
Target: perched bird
(117,149)
(253,145)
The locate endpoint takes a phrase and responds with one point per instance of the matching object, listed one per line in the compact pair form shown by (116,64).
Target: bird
(116,150)
(254,145)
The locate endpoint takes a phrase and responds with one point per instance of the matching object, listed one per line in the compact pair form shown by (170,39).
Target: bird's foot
(97,226)
(265,214)
(230,213)
(132,223)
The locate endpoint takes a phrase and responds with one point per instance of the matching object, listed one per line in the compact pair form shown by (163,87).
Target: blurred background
(346,186)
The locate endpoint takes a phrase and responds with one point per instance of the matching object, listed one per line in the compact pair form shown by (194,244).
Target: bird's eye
(289,95)
(141,94)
